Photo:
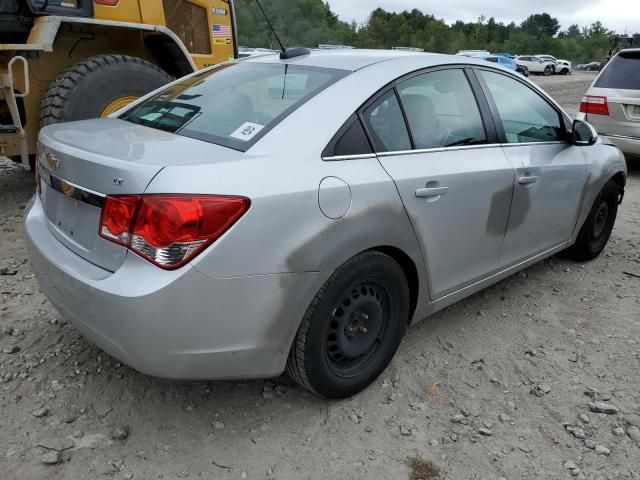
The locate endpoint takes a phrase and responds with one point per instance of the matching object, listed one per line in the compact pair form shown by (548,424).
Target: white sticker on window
(247,131)
(150,117)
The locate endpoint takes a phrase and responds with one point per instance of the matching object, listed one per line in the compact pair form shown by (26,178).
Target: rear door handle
(527,180)
(431,192)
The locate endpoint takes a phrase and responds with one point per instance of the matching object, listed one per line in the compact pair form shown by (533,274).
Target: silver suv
(612,103)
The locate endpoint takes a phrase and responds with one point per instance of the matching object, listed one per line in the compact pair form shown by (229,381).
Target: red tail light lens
(594,105)
(169,230)
(117,218)
(108,3)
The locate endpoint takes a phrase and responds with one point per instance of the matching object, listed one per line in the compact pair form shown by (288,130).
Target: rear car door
(551,174)
(454,180)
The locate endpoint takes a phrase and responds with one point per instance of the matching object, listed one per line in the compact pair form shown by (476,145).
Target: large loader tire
(98,86)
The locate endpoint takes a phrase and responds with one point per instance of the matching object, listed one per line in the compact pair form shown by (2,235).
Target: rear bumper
(178,324)
(629,145)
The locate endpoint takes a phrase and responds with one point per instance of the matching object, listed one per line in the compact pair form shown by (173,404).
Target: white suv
(612,103)
(562,67)
(536,65)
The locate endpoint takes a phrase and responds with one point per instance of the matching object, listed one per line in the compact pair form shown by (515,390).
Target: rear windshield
(234,104)
(623,71)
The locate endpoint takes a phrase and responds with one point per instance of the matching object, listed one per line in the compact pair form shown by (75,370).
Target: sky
(620,15)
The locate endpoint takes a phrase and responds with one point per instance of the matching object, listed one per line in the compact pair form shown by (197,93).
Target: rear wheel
(352,328)
(98,86)
(595,232)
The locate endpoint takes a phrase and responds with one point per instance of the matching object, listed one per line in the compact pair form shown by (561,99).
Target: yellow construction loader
(63,60)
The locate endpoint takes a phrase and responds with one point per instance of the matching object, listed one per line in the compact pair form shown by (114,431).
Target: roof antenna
(285,53)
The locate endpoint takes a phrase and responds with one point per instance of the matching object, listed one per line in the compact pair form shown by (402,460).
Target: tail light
(594,105)
(169,230)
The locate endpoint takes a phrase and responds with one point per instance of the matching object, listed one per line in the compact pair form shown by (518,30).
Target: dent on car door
(455,186)
(550,173)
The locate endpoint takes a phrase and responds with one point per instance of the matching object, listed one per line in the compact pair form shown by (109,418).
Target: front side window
(386,124)
(524,114)
(442,110)
(233,105)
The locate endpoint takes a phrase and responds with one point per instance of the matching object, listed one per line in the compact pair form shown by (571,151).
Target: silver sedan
(299,214)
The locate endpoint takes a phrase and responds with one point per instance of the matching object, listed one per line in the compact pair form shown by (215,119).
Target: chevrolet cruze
(299,213)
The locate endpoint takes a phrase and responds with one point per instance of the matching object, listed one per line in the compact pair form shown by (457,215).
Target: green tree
(541,25)
(310,22)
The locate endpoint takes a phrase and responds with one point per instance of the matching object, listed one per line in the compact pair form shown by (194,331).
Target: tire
(89,87)
(548,71)
(353,327)
(596,230)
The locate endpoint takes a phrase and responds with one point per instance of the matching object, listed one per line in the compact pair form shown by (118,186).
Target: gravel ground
(506,384)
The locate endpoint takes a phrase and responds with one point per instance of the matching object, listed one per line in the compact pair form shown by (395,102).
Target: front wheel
(596,230)
(352,328)
(548,71)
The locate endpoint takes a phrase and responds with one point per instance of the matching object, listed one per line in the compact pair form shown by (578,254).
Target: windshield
(234,104)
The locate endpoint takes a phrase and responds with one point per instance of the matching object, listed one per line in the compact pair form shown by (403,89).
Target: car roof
(349,59)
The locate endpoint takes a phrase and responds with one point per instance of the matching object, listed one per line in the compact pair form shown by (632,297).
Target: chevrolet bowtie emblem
(52,161)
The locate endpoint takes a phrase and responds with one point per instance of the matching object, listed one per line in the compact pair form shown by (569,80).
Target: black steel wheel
(356,327)
(596,230)
(352,328)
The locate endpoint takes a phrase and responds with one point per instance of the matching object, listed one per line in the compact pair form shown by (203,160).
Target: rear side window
(386,124)
(623,72)
(525,115)
(442,110)
(351,139)
(235,104)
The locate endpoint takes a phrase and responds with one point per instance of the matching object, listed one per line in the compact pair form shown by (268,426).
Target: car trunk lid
(83,162)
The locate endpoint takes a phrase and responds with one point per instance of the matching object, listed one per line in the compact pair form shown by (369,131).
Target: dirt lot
(497,386)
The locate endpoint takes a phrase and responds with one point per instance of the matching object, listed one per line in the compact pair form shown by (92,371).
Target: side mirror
(583,134)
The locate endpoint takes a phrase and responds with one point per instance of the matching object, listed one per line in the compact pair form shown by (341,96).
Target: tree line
(312,22)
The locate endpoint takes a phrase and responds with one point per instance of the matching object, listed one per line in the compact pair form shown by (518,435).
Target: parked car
(536,65)
(472,53)
(612,103)
(505,62)
(246,52)
(266,214)
(591,67)
(561,67)
(566,68)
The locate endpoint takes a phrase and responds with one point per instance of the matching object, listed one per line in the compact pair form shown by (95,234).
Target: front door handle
(431,192)
(527,180)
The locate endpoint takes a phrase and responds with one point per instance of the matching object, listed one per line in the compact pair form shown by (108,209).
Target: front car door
(454,180)
(551,174)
